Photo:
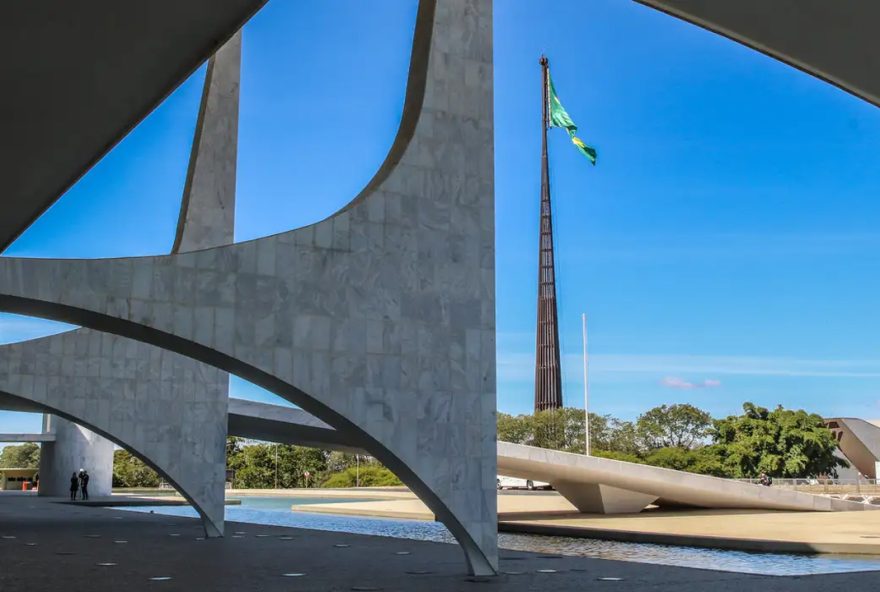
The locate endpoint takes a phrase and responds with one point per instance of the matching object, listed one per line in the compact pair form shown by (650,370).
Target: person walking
(84,485)
(74,487)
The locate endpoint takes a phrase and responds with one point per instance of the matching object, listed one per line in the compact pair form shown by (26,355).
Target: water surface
(277,511)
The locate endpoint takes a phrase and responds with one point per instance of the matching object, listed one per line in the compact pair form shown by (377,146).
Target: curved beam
(210,522)
(284,425)
(829,40)
(78,77)
(378,320)
(173,420)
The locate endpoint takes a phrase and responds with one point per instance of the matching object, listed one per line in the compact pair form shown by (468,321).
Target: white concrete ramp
(603,485)
(590,483)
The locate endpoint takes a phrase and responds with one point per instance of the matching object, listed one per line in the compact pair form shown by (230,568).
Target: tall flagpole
(548,378)
(586,390)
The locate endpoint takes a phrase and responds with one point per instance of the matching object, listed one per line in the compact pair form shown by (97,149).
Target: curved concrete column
(206,220)
(207,210)
(167,409)
(191,455)
(378,320)
(74,448)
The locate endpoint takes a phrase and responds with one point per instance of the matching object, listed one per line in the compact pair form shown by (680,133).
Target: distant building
(17,479)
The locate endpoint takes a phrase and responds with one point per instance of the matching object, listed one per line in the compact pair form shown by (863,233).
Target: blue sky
(725,248)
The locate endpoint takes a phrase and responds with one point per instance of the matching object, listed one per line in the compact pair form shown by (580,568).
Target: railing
(826,486)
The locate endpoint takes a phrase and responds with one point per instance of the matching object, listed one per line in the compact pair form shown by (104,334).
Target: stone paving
(51,546)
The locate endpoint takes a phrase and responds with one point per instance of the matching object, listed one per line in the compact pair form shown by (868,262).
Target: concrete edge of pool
(844,533)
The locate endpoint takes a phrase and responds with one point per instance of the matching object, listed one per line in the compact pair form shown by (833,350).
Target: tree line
(780,442)
(22,456)
(251,464)
(262,465)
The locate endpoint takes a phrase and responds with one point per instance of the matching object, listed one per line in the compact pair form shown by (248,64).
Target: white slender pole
(586,390)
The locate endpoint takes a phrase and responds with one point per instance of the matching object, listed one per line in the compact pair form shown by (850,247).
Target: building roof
(78,76)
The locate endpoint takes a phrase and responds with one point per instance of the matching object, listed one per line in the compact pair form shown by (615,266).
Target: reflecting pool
(277,511)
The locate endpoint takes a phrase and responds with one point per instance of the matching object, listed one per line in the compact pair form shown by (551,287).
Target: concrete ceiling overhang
(78,76)
(836,41)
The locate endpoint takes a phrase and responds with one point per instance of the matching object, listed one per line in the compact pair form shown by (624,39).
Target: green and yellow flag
(559,118)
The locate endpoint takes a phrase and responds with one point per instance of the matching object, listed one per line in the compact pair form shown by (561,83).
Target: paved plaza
(62,547)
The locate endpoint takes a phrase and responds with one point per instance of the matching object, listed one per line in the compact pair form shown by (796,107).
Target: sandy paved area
(549,513)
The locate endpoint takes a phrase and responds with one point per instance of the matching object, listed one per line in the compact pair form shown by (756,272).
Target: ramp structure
(602,485)
(593,485)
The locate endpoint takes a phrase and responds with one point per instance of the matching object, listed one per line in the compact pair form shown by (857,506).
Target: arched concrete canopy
(173,420)
(836,41)
(378,320)
(78,76)
(213,527)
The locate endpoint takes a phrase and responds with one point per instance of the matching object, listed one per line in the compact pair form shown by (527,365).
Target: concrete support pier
(74,448)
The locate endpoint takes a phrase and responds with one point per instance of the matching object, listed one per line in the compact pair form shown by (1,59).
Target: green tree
(614,455)
(706,460)
(234,444)
(339,461)
(517,429)
(671,457)
(23,456)
(559,429)
(563,429)
(620,437)
(130,471)
(262,465)
(369,476)
(781,443)
(673,426)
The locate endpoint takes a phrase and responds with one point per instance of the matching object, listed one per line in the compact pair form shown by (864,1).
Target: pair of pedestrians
(79,483)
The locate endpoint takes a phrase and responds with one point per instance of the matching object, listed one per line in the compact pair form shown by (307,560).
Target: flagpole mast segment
(548,378)
(545,107)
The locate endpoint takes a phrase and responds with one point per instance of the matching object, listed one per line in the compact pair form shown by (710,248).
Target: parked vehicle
(517,483)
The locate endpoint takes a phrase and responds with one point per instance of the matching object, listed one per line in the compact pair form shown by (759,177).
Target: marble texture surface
(72,448)
(167,409)
(379,320)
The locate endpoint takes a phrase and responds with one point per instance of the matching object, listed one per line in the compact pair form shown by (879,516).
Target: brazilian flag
(559,117)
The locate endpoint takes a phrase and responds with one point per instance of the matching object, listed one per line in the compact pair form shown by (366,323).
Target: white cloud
(680,383)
